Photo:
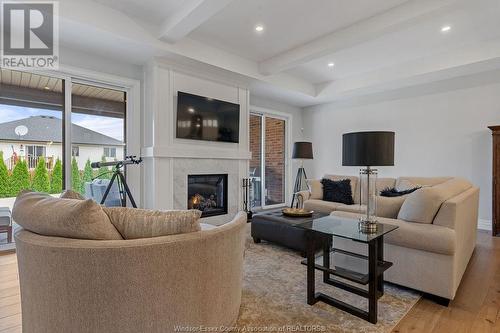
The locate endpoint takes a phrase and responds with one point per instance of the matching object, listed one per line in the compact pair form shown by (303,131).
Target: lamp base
(368,226)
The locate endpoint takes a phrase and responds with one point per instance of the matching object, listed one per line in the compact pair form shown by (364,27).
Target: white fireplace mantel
(168,160)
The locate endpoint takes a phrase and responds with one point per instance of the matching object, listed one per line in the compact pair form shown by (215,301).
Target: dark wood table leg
(310,254)
(327,245)
(380,257)
(373,284)
(9,234)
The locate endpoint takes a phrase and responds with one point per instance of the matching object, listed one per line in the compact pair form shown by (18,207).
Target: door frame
(287,118)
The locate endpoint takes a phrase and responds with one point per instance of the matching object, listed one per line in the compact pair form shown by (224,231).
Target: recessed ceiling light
(259,28)
(331,64)
(445,28)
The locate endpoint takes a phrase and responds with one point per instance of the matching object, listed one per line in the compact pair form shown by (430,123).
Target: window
(75,151)
(110,152)
(35,151)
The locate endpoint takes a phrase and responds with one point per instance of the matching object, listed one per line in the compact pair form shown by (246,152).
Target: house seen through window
(110,152)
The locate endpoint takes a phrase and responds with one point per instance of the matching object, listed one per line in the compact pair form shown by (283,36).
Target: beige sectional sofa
(110,284)
(437,229)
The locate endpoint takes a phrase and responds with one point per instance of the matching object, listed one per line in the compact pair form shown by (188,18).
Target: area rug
(274,297)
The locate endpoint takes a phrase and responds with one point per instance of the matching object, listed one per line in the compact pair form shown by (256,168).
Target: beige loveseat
(138,285)
(431,248)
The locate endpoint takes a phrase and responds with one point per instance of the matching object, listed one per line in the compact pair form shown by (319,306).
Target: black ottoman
(274,227)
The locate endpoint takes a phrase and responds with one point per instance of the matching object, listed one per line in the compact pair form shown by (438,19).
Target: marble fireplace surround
(182,167)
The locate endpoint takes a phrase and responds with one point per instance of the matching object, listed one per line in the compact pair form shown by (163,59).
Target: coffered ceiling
(372,46)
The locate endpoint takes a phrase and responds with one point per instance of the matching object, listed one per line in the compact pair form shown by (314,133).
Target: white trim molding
(484,224)
(288,118)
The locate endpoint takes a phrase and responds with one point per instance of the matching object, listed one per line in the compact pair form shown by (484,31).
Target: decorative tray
(297,212)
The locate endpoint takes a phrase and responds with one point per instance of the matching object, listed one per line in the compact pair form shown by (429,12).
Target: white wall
(84,60)
(443,134)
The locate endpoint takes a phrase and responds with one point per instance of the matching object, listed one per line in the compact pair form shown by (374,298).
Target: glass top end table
(360,269)
(346,228)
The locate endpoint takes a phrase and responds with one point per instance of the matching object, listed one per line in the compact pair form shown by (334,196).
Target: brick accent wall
(275,160)
(255,144)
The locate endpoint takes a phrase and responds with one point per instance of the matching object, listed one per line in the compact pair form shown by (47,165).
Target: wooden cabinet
(496,180)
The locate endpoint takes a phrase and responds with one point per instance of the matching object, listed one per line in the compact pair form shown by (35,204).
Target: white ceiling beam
(189,17)
(461,61)
(392,20)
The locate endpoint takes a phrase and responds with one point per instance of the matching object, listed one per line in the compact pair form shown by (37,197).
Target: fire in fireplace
(208,193)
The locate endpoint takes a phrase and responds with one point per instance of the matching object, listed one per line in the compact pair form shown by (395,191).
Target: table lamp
(368,149)
(301,151)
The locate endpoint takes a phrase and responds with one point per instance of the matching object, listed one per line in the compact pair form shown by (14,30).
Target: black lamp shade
(302,150)
(368,149)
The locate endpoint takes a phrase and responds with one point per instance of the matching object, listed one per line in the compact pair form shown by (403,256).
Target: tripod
(122,188)
(119,177)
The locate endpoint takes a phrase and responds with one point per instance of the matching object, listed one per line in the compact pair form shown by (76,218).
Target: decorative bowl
(296,212)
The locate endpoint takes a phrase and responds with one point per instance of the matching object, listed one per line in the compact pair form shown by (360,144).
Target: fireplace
(208,193)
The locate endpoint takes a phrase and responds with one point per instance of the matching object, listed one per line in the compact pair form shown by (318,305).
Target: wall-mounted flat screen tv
(204,118)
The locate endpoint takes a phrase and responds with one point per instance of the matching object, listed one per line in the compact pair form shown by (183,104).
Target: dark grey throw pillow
(393,192)
(337,191)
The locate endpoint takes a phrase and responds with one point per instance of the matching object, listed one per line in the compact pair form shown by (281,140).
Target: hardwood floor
(476,308)
(10,301)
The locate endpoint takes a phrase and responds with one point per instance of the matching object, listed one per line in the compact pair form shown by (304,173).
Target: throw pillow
(389,206)
(422,205)
(337,191)
(393,192)
(143,223)
(70,194)
(354,184)
(71,218)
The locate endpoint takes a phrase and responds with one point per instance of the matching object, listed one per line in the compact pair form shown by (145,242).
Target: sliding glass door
(98,135)
(39,149)
(268,171)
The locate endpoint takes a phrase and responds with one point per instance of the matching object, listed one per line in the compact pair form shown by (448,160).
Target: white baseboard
(484,224)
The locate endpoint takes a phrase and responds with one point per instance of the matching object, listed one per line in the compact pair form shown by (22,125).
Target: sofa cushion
(389,206)
(406,183)
(135,223)
(424,237)
(71,218)
(422,205)
(337,191)
(360,209)
(316,188)
(321,205)
(386,207)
